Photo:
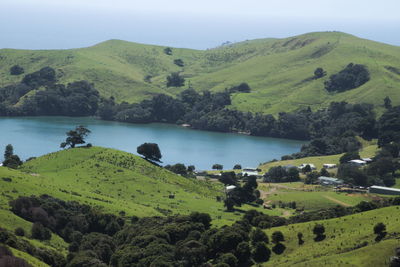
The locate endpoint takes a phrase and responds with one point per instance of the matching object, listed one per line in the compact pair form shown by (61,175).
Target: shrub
(19,231)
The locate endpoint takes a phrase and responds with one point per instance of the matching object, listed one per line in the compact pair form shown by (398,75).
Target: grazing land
(278,71)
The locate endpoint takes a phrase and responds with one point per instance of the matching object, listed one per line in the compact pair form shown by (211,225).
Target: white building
(250,172)
(329,165)
(383,190)
(312,166)
(357,162)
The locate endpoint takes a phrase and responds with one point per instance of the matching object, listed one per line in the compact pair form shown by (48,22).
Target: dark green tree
(76,137)
(217,167)
(258,235)
(9,151)
(179,62)
(168,51)
(175,80)
(319,231)
(277,237)
(380,231)
(237,167)
(16,70)
(150,151)
(261,253)
(300,238)
(319,73)
(387,102)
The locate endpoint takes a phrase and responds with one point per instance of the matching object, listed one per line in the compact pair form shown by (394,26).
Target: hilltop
(277,70)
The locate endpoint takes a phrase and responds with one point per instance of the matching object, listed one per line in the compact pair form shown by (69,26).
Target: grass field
(276,69)
(343,235)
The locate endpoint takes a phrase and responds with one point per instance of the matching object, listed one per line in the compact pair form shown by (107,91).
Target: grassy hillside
(115,181)
(276,69)
(343,235)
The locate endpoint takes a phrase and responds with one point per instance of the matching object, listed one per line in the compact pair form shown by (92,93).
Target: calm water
(35,136)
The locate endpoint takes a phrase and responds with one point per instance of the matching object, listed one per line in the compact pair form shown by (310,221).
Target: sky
(62,24)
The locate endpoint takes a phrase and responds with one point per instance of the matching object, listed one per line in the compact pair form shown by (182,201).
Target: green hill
(276,69)
(350,241)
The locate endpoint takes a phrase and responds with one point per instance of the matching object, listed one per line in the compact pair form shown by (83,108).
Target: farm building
(358,162)
(329,165)
(383,190)
(305,164)
(229,188)
(249,172)
(323,180)
(367,160)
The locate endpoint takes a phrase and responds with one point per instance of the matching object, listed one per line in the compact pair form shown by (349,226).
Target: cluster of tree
(312,176)
(353,76)
(7,238)
(279,174)
(78,98)
(175,241)
(247,193)
(70,220)
(181,169)
(241,88)
(10,159)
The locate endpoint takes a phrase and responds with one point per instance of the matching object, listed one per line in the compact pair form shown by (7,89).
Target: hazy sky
(184,23)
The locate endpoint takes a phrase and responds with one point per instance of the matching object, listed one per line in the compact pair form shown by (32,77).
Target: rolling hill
(277,70)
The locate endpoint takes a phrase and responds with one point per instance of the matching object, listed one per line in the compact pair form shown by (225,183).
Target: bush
(40,232)
(19,231)
(16,70)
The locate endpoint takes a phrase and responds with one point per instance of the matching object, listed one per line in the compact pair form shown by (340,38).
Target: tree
(380,231)
(150,151)
(179,62)
(175,80)
(319,73)
(217,167)
(261,253)
(300,238)
(307,169)
(258,235)
(277,237)
(168,51)
(76,137)
(237,167)
(11,160)
(9,151)
(229,203)
(16,70)
(319,231)
(387,102)
(228,178)
(40,232)
(191,168)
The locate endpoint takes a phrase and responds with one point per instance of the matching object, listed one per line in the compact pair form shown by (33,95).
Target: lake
(35,136)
